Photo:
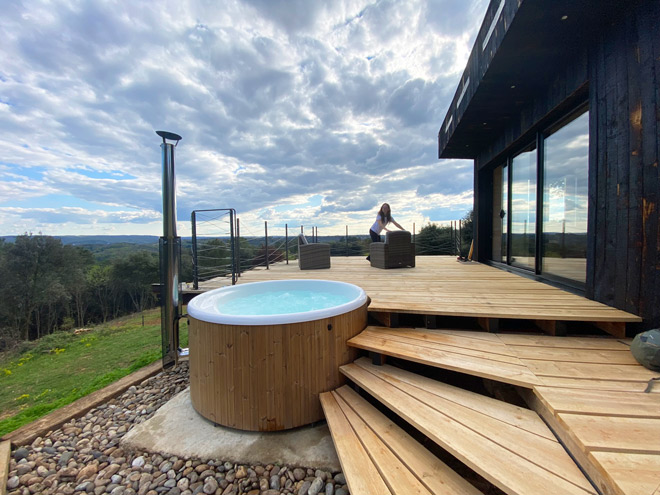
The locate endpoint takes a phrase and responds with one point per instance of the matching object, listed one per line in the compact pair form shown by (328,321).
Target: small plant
(22,397)
(56,350)
(68,323)
(42,394)
(88,340)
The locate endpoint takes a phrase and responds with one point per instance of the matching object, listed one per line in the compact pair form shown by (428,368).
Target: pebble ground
(85,457)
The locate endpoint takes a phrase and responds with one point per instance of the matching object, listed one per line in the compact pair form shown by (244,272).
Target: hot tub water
(282,302)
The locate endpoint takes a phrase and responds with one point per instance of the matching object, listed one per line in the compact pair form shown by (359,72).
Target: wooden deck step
(378,457)
(5,453)
(474,353)
(509,446)
(613,434)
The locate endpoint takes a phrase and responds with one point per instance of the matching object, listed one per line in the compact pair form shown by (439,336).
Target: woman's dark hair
(385,217)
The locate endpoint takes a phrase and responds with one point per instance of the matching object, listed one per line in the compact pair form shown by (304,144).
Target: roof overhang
(516,56)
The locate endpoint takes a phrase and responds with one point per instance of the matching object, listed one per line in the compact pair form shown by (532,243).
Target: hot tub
(264,371)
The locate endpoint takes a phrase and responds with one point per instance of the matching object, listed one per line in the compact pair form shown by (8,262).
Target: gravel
(84,456)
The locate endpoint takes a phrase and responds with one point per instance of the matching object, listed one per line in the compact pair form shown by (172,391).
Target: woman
(383,218)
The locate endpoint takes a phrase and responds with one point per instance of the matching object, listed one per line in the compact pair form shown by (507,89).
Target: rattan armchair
(312,256)
(397,251)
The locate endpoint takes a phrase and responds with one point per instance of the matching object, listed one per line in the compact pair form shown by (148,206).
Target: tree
(246,253)
(33,264)
(100,287)
(432,239)
(354,247)
(73,273)
(467,228)
(132,278)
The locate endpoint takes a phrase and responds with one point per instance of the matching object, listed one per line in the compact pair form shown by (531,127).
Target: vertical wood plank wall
(624,183)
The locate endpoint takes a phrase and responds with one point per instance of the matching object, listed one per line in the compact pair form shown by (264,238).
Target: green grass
(62,367)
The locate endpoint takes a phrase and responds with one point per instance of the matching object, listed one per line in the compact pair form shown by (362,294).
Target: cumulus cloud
(277,102)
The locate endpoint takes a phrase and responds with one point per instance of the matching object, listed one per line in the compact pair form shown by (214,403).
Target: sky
(298,112)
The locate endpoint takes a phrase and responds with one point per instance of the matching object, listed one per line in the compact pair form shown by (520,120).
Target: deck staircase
(509,446)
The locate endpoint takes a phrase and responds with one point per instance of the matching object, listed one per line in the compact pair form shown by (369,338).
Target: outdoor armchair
(312,256)
(397,251)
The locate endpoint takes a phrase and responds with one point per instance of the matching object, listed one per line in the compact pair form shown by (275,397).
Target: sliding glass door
(565,200)
(540,203)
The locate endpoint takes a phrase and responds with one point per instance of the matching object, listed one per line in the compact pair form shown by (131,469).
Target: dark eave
(527,42)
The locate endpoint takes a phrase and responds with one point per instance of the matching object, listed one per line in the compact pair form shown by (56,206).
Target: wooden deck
(588,390)
(440,286)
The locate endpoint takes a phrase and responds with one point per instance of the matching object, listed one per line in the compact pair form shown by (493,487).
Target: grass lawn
(62,367)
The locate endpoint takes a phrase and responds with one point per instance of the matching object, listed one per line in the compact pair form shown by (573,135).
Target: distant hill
(88,240)
(105,240)
(107,248)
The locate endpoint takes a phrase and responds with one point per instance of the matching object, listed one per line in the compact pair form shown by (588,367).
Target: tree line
(47,286)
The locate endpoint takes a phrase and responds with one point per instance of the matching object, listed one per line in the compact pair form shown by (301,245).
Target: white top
(375,227)
(208,306)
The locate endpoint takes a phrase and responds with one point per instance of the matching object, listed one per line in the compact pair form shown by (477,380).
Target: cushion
(302,239)
(397,236)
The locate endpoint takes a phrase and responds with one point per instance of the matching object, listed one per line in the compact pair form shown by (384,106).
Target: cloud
(277,102)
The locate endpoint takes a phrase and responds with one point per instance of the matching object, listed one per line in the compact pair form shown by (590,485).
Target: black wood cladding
(624,66)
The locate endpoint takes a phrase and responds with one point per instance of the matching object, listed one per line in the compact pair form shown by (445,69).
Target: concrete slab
(177,429)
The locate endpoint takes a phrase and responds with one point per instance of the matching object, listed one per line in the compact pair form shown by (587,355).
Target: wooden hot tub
(265,372)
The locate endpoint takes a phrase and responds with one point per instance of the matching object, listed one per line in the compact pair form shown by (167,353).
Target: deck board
(438,285)
(361,474)
(459,359)
(614,434)
(634,473)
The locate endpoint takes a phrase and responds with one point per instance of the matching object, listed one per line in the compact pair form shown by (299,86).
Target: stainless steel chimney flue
(170,256)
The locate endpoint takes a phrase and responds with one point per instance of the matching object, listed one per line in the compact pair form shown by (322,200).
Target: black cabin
(558,108)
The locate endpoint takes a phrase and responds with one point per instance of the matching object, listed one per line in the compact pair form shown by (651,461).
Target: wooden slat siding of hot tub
(304,357)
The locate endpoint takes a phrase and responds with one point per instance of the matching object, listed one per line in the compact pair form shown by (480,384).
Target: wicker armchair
(312,256)
(397,251)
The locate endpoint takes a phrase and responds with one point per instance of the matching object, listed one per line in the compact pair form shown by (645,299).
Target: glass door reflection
(523,209)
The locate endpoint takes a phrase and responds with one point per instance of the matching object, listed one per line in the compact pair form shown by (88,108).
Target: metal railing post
(193,221)
(460,238)
(266,228)
(232,243)
(238,246)
(347,240)
(286,241)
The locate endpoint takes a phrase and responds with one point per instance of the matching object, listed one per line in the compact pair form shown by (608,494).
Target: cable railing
(223,247)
